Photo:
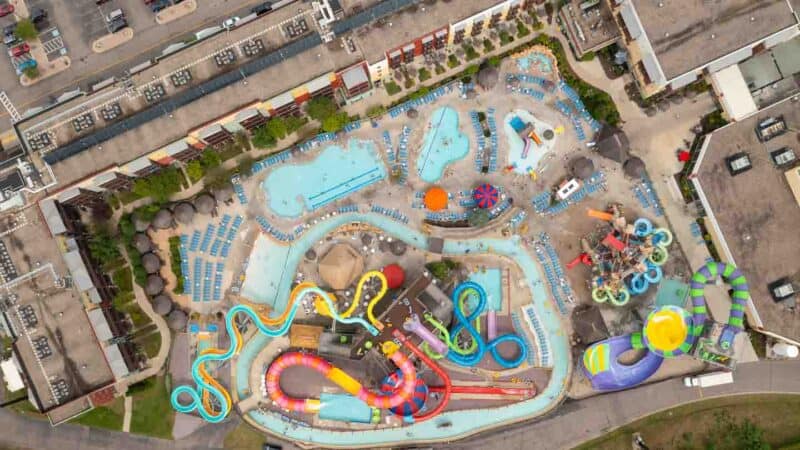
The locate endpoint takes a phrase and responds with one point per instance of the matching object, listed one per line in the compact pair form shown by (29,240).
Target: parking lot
(80,22)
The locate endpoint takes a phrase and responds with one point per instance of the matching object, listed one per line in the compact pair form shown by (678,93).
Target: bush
(487,46)
(294,123)
(31,72)
(320,108)
(376,111)
(453,62)
(442,269)
(505,38)
(439,69)
(494,61)
(123,279)
(175,263)
(276,127)
(522,30)
(159,186)
(263,138)
(409,83)
(103,248)
(712,121)
(471,52)
(391,87)
(335,122)
(26,30)
(471,70)
(588,56)
(424,74)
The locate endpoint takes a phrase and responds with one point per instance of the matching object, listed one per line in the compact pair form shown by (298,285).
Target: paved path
(578,421)
(126,419)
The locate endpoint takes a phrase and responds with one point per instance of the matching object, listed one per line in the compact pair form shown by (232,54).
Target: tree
(159,186)
(424,74)
(26,30)
(478,218)
(438,269)
(263,138)
(320,108)
(210,159)
(195,171)
(294,123)
(391,87)
(277,128)
(31,72)
(243,141)
(335,122)
(376,111)
(103,247)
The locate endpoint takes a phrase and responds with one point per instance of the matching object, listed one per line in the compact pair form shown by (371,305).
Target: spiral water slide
(342,379)
(206,386)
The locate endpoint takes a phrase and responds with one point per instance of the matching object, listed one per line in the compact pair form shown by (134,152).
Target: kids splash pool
(443,145)
(333,175)
(447,425)
(529,140)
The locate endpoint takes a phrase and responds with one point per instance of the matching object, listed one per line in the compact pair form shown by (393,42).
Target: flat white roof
(11,375)
(733,93)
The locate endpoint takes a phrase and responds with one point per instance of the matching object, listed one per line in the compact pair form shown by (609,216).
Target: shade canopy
(485,195)
(151,262)
(582,167)
(435,199)
(223,193)
(395,275)
(488,77)
(204,204)
(162,220)
(184,212)
(340,266)
(154,285)
(634,167)
(162,305)
(177,320)
(142,243)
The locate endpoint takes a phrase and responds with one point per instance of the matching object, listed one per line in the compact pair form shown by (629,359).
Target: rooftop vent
(783,157)
(738,163)
(781,289)
(770,128)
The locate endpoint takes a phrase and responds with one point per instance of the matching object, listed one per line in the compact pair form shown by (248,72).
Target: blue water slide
(620,376)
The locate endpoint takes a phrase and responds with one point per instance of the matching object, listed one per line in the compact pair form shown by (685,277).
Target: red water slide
(446,389)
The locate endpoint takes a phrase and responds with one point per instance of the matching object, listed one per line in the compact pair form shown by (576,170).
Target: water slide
(487,390)
(342,379)
(360,287)
(601,365)
(206,386)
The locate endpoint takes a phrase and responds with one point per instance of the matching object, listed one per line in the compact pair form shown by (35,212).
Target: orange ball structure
(395,276)
(435,199)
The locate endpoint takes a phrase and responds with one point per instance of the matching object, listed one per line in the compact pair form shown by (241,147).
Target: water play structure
(625,258)
(669,331)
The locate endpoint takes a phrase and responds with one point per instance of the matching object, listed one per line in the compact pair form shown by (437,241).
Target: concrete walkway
(579,421)
(158,361)
(126,420)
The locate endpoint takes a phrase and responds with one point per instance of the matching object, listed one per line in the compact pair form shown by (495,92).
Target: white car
(231,22)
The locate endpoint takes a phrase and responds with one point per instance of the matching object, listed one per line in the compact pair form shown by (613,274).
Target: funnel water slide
(606,373)
(205,385)
(342,379)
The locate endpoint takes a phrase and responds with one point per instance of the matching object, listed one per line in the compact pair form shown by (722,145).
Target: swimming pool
(448,425)
(525,154)
(333,175)
(492,282)
(443,145)
(539,60)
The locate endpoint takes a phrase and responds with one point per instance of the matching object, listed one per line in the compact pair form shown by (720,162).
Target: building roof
(52,217)
(11,375)
(754,213)
(687,34)
(733,92)
(116,361)
(340,266)
(100,324)
(355,76)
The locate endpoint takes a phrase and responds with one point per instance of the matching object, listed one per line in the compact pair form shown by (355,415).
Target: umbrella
(394,381)
(486,195)
(435,199)
(395,275)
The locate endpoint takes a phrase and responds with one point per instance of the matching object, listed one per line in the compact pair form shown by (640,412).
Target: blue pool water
(449,425)
(344,408)
(333,175)
(443,145)
(492,282)
(516,145)
(540,61)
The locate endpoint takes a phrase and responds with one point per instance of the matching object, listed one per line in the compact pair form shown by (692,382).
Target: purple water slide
(491,322)
(620,376)
(415,326)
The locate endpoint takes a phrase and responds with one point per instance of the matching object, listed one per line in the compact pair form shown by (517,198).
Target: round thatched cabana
(340,267)
(162,220)
(488,77)
(184,213)
(176,320)
(223,193)
(634,167)
(154,285)
(162,305)
(582,167)
(139,224)
(412,113)
(204,204)
(398,248)
(142,243)
(151,262)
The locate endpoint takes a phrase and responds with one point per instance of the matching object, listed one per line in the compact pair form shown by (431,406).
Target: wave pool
(443,145)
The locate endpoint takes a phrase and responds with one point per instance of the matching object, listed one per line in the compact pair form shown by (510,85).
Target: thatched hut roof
(162,220)
(151,262)
(311,255)
(634,167)
(341,266)
(139,224)
(142,243)
(582,167)
(154,285)
(176,320)
(184,213)
(162,305)
(366,239)
(398,248)
(412,113)
(488,77)
(204,204)
(223,193)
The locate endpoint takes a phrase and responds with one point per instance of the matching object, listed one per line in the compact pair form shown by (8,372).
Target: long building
(672,43)
(748,180)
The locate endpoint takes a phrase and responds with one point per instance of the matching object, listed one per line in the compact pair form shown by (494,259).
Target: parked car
(262,8)
(37,15)
(158,5)
(114,15)
(9,35)
(117,25)
(6,9)
(231,22)
(19,50)
(25,65)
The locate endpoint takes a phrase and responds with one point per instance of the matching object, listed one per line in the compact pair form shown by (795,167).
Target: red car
(6,9)
(20,50)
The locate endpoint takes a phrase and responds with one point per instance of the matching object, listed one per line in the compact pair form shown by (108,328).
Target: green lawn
(152,413)
(714,424)
(138,317)
(244,437)
(109,417)
(150,343)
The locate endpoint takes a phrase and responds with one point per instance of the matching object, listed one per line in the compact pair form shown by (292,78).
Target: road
(575,422)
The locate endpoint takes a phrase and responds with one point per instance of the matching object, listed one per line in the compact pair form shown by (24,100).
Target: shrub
(471,53)
(175,263)
(409,83)
(505,38)
(522,30)
(376,111)
(424,74)
(263,138)
(588,56)
(487,46)
(391,87)
(494,61)
(452,61)
(439,69)
(320,108)
(26,30)
(31,72)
